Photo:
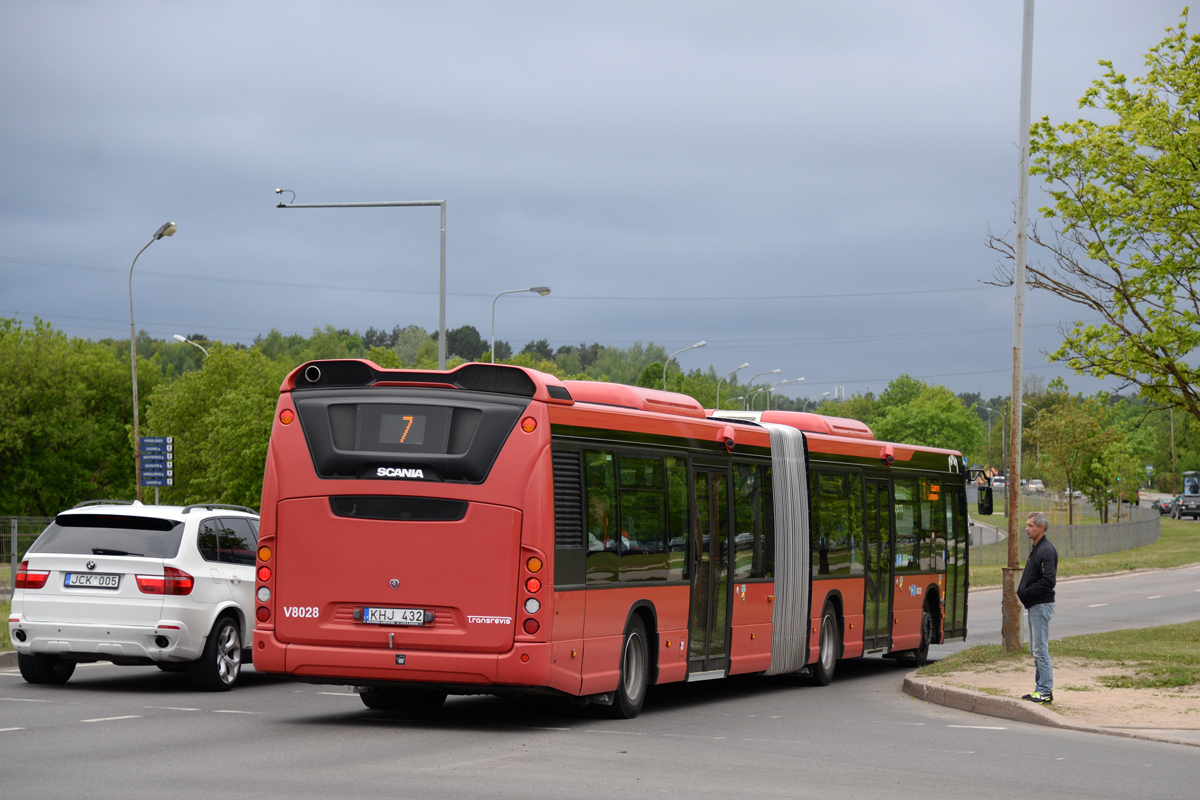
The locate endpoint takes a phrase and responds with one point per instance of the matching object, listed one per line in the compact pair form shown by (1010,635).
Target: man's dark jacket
(1040,575)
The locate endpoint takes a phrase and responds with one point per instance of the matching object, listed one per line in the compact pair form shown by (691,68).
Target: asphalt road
(137,732)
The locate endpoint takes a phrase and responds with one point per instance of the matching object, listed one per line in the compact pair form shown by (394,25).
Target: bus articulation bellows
(492,529)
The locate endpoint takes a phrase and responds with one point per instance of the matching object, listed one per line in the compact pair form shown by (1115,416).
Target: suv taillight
(30,579)
(172,581)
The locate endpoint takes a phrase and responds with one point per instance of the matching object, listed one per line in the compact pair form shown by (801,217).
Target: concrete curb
(1014,709)
(8,658)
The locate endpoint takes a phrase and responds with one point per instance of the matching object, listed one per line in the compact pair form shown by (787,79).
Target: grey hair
(1039,519)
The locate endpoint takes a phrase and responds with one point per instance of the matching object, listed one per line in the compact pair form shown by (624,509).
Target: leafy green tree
(540,349)
(221,419)
(1075,435)
(1125,219)
(914,412)
(66,414)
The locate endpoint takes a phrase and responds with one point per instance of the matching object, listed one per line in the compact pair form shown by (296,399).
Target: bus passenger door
(877,567)
(708,649)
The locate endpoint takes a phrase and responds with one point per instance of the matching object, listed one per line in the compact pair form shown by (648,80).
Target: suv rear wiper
(104,551)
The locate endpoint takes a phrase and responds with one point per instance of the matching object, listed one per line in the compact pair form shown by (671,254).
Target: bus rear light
(30,578)
(172,581)
(262,614)
(531,626)
(286,416)
(532,606)
(534,564)
(533,585)
(264,553)
(529,424)
(264,574)
(263,594)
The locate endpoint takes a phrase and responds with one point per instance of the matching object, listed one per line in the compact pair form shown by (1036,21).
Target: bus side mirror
(984,504)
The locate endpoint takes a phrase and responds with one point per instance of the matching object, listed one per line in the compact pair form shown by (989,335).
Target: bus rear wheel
(828,648)
(635,672)
(920,656)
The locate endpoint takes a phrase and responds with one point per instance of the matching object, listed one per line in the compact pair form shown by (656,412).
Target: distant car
(1185,505)
(138,585)
(998,482)
(1035,485)
(1164,505)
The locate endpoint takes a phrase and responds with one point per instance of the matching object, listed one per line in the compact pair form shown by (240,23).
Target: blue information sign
(156,459)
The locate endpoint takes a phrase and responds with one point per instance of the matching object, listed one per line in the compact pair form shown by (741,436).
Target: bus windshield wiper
(104,551)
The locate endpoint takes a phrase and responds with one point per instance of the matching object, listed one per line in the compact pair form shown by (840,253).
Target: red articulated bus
(492,529)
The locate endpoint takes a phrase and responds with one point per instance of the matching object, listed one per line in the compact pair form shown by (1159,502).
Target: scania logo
(91,565)
(395,584)
(399,472)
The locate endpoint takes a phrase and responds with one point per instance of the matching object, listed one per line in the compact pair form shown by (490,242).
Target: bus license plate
(91,580)
(393,616)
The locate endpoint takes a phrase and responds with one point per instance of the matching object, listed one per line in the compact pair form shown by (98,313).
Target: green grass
(1164,657)
(1178,545)
(5,642)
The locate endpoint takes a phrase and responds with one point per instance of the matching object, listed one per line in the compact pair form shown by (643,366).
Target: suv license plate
(91,580)
(393,616)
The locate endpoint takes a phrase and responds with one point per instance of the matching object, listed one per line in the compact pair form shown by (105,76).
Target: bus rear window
(110,535)
(406,432)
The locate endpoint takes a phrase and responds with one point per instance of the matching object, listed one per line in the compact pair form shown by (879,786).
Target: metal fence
(1071,541)
(16,535)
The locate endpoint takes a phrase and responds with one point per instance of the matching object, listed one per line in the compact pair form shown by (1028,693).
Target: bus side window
(838,526)
(677,518)
(643,534)
(907,511)
(601,489)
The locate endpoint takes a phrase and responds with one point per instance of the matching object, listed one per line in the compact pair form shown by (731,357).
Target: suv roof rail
(211,506)
(105,503)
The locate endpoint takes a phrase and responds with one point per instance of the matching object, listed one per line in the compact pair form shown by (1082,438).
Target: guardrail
(16,535)
(1071,541)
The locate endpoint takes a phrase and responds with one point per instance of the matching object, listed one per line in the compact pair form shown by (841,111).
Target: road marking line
(6,730)
(686,736)
(776,741)
(1155,597)
(234,711)
(1098,605)
(340,694)
(622,733)
(110,719)
(172,708)
(25,700)
(539,728)
(979,727)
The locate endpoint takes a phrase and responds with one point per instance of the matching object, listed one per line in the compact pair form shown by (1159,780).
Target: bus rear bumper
(525,665)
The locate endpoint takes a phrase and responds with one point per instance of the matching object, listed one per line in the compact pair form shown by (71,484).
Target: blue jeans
(1039,645)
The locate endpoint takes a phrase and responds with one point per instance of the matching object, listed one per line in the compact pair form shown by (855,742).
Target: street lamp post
(723,377)
(814,397)
(186,340)
(1038,423)
(400,204)
(990,411)
(167,229)
(779,385)
(698,344)
(542,290)
(750,383)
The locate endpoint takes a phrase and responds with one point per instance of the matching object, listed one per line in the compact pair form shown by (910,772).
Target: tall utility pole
(1010,626)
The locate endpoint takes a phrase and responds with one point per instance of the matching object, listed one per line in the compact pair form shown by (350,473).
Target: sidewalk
(1081,702)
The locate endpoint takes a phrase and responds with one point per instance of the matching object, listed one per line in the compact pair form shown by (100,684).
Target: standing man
(1036,593)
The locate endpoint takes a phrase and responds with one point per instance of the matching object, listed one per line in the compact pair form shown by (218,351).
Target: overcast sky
(807,186)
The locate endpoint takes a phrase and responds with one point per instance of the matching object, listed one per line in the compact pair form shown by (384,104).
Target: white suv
(136,584)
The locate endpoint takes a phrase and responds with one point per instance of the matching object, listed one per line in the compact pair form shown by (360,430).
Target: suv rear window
(110,535)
